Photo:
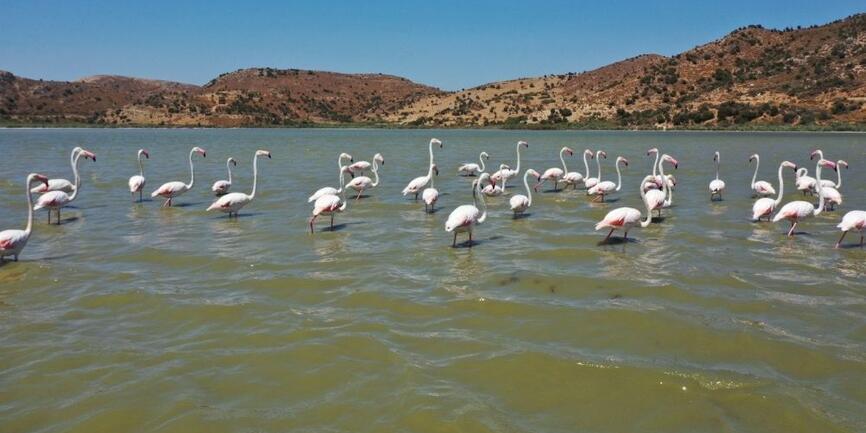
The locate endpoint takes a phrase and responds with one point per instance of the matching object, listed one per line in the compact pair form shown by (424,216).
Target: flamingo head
(86,154)
(753,157)
(671,160)
(435,170)
(200,151)
(485,156)
(534,174)
(601,154)
(437,142)
(76,149)
(652,151)
(828,164)
(378,157)
(568,151)
(523,143)
(143,152)
(622,160)
(790,165)
(816,153)
(589,153)
(716,156)
(38,177)
(233,162)
(345,155)
(264,153)
(842,163)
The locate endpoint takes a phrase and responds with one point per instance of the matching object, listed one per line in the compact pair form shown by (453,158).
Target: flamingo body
(852,221)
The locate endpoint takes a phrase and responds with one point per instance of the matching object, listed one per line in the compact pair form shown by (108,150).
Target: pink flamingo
(657,199)
(854,220)
(55,200)
(170,190)
(136,183)
(624,218)
(508,173)
(430,195)
(519,202)
(231,203)
(362,183)
(573,178)
(796,211)
(764,207)
(465,217)
(13,241)
(590,182)
(60,184)
(221,187)
(555,173)
(716,185)
(329,189)
(603,188)
(760,187)
(415,185)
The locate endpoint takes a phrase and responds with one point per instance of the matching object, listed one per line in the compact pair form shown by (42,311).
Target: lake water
(132,318)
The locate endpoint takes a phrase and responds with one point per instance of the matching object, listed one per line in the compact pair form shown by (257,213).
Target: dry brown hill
(753,76)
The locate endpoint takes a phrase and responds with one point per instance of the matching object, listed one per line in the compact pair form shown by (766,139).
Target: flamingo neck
(656,165)
(376,172)
(668,192)
(340,166)
(431,156)
(77,177)
(29,227)
(562,158)
(140,166)
(585,165)
(229,168)
(517,169)
(72,159)
(619,178)
(755,174)
(526,184)
(598,166)
(838,176)
(191,171)
(255,175)
(717,162)
(483,216)
(778,200)
(430,170)
(342,179)
(649,212)
(481,159)
(820,188)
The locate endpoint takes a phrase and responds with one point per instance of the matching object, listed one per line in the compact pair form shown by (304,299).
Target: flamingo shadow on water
(520,216)
(616,240)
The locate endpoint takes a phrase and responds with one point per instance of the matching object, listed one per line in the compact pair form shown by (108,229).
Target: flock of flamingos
(656,191)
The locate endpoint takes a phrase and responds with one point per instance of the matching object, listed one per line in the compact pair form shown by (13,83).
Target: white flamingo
(170,190)
(55,200)
(519,202)
(136,182)
(221,187)
(415,186)
(760,187)
(764,206)
(604,188)
(493,190)
(590,182)
(573,178)
(329,205)
(657,199)
(362,183)
(804,182)
(716,185)
(359,168)
(838,184)
(471,168)
(12,241)
(555,173)
(509,173)
(231,203)
(465,217)
(854,220)
(656,183)
(430,195)
(328,190)
(624,218)
(60,184)
(796,211)
(832,196)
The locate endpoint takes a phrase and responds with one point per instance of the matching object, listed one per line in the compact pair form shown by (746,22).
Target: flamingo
(657,199)
(555,173)
(59,184)
(331,190)
(231,203)
(519,202)
(603,188)
(765,206)
(359,167)
(328,204)
(493,190)
(13,241)
(471,168)
(854,220)
(414,187)
(509,173)
(838,184)
(624,218)
(573,178)
(136,183)
(467,216)
(361,183)
(590,182)
(804,182)
(55,200)
(221,187)
(656,183)
(832,196)
(797,210)
(761,187)
(170,190)
(430,195)
(716,185)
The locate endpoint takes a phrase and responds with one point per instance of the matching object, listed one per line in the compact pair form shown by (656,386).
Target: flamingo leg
(132,194)
(625,236)
(607,238)
(49,216)
(312,221)
(359,195)
(839,242)
(470,239)
(416,196)
(140,197)
(58,216)
(793,226)
(332,222)
(454,243)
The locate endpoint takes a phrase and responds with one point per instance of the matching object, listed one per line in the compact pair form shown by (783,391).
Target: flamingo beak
(269,155)
(146,155)
(813,154)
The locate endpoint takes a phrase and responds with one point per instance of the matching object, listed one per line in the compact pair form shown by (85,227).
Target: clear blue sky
(449,44)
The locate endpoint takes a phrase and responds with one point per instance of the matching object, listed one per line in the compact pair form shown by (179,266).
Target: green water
(132,318)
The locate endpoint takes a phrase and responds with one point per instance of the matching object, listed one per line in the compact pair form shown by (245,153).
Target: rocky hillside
(751,77)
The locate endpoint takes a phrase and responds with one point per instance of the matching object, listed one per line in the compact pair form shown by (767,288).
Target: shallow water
(128,317)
